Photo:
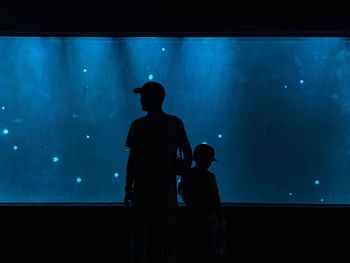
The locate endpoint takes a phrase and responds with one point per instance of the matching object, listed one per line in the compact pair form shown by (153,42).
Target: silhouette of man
(150,189)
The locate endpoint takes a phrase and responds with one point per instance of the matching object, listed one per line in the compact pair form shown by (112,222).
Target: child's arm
(217,202)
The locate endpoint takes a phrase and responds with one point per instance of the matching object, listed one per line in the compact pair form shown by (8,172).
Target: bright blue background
(276,110)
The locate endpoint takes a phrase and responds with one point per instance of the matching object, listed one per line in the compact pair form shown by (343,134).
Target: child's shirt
(200,191)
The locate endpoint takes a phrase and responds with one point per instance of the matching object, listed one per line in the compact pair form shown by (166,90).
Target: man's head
(204,155)
(152,96)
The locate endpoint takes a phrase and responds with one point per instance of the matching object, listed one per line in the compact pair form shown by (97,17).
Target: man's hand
(217,220)
(213,218)
(128,199)
(180,188)
(223,223)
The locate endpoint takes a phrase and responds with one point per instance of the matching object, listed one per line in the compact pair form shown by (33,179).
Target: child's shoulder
(196,171)
(192,171)
(210,173)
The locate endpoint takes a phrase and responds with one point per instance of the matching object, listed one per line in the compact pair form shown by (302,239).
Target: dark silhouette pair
(151,192)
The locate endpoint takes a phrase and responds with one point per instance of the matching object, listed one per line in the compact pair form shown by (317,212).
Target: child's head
(204,155)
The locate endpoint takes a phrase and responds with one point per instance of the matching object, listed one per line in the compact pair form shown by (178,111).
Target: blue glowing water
(276,110)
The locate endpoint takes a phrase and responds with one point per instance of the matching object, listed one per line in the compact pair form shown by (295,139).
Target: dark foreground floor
(84,233)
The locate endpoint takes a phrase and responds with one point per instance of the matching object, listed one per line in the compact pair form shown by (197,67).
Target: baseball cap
(204,151)
(151,87)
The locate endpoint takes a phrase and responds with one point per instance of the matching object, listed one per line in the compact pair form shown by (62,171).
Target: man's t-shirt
(155,140)
(199,189)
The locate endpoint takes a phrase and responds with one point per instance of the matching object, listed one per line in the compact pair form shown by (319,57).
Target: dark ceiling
(172,16)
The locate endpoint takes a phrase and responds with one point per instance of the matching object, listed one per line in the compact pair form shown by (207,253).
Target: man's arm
(185,146)
(130,174)
(130,167)
(130,178)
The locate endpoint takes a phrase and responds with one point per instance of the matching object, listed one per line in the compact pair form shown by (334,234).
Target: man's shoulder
(165,115)
(175,119)
(139,121)
(170,116)
(167,118)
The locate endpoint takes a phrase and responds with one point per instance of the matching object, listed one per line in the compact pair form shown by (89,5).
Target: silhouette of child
(199,191)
